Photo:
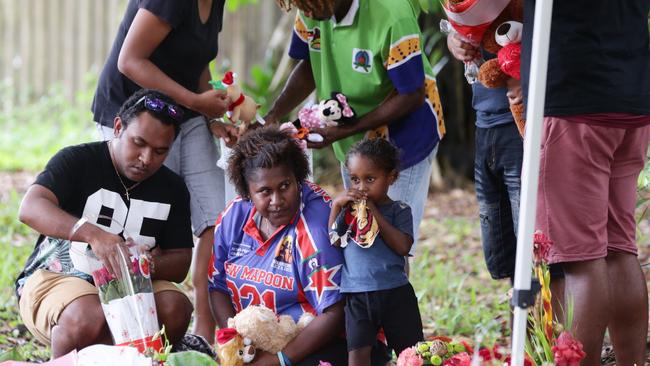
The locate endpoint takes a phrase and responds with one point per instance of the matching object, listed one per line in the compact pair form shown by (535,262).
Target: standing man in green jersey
(370,50)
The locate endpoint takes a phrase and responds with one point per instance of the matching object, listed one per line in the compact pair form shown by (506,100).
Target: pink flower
(497,351)
(527,360)
(567,350)
(101,276)
(541,247)
(459,359)
(135,266)
(409,357)
(324,363)
(485,354)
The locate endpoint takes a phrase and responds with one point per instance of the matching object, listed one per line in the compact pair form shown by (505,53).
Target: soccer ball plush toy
(328,113)
(265,329)
(503,38)
(233,349)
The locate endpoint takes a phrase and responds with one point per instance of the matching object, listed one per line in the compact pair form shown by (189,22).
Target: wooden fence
(48,42)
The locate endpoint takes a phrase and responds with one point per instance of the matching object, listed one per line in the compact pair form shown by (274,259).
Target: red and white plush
(503,38)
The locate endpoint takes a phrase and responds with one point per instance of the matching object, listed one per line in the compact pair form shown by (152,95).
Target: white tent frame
(530,170)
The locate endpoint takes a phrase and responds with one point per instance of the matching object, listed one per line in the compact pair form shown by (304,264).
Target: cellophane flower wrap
(128,303)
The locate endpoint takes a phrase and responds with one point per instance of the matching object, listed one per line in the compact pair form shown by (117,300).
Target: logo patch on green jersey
(361,60)
(314,39)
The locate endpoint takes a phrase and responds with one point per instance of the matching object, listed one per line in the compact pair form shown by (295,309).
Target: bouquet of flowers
(549,343)
(128,303)
(437,351)
(444,351)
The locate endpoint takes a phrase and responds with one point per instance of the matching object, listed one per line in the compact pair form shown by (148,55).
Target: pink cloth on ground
(587,188)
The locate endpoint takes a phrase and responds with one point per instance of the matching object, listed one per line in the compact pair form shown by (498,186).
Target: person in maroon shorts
(594,144)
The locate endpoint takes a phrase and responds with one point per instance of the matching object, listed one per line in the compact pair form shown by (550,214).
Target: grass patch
(16,244)
(35,132)
(455,293)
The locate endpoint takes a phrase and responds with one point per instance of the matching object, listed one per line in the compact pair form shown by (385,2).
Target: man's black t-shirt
(599,57)
(86,184)
(182,55)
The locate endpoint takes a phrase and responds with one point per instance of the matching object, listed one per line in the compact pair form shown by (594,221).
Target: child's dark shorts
(395,310)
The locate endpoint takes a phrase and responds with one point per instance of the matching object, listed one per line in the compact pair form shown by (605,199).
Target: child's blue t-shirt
(378,267)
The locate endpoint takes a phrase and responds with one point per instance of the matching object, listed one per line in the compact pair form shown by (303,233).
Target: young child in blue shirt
(376,234)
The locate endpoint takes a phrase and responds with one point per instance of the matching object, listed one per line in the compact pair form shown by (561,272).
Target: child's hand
(348,196)
(370,204)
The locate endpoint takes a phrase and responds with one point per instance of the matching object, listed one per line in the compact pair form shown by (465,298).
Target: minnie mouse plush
(328,113)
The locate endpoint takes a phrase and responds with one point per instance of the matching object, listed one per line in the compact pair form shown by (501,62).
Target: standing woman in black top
(167,45)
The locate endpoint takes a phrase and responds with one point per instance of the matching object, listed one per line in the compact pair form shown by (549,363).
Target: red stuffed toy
(503,38)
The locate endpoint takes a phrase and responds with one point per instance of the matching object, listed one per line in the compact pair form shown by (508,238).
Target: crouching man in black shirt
(99,196)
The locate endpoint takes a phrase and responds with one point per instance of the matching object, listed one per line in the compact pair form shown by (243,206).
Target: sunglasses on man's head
(156,105)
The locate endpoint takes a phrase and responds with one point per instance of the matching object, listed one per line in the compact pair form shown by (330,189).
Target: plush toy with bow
(328,113)
(242,109)
(503,38)
(233,349)
(266,330)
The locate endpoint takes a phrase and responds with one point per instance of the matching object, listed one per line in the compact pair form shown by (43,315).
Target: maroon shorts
(587,188)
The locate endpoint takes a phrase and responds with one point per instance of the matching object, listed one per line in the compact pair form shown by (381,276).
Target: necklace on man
(126,189)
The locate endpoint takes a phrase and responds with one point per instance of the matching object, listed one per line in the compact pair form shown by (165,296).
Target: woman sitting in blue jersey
(272,248)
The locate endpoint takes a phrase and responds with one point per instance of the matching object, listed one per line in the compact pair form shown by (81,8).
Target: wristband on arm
(284,360)
(77,225)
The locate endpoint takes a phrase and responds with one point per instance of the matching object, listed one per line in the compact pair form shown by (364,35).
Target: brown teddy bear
(503,38)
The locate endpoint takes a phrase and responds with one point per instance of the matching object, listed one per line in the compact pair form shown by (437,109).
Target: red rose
(485,354)
(460,359)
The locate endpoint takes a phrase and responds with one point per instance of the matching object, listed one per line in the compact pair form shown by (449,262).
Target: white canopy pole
(530,170)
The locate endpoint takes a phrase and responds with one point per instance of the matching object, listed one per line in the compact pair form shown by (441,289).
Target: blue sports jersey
(294,271)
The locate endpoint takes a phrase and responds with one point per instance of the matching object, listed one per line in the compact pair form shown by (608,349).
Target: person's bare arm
(40,210)
(395,106)
(221,308)
(316,334)
(172,264)
(147,31)
(225,131)
(298,87)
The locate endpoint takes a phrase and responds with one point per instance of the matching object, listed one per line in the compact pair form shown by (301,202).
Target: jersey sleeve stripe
(306,245)
(300,29)
(433,100)
(403,50)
